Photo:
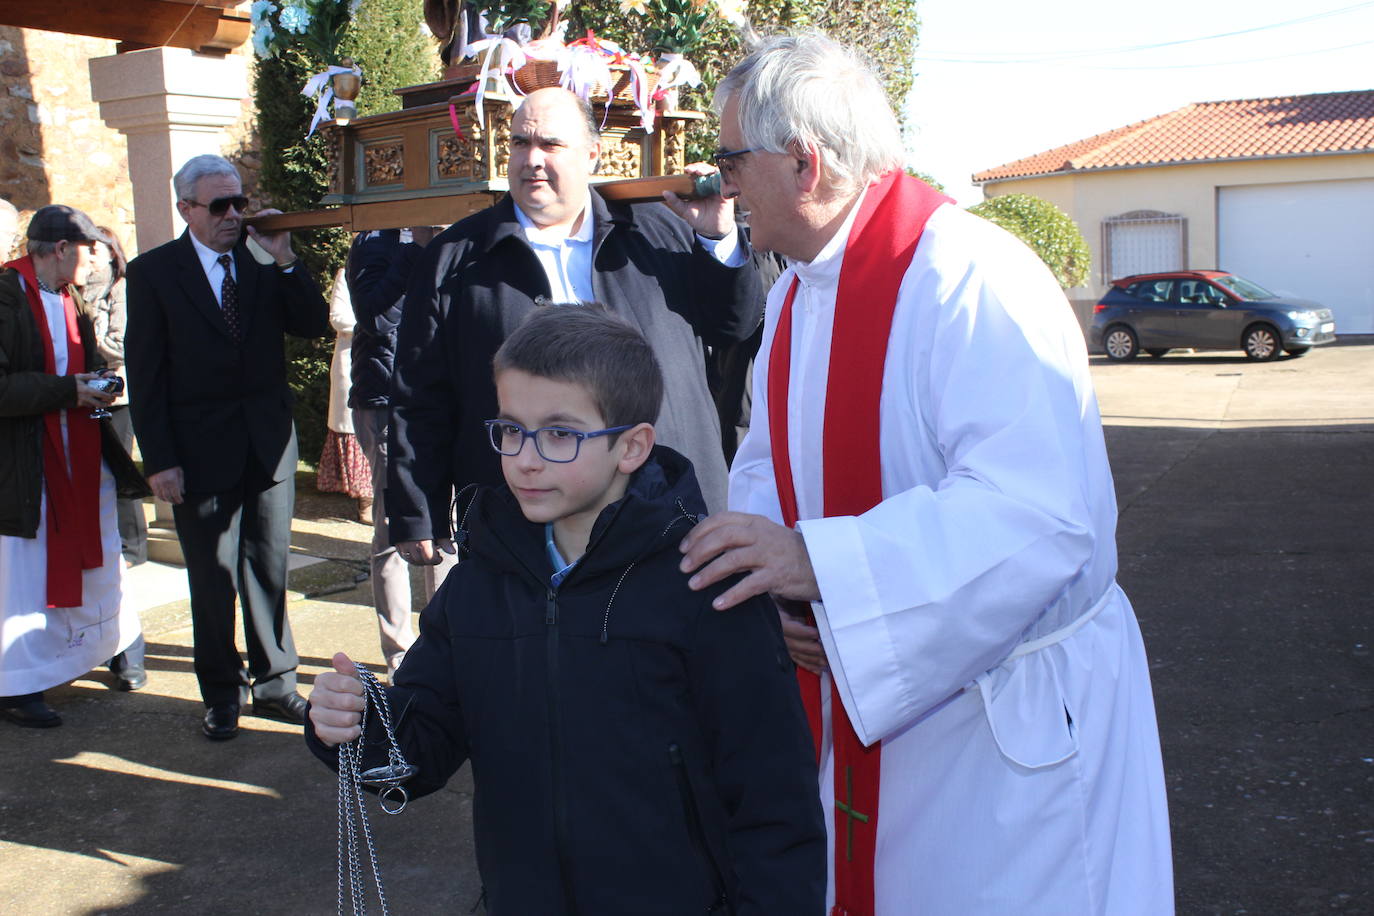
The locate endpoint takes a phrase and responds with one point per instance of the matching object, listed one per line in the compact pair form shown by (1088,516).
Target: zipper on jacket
(721,902)
(560,814)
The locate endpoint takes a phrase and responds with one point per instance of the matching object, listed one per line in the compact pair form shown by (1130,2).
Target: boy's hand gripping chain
(352,778)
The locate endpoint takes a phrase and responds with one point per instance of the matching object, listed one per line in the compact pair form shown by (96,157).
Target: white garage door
(1312,240)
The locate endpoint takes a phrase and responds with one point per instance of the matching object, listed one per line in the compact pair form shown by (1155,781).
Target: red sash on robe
(878,252)
(73,499)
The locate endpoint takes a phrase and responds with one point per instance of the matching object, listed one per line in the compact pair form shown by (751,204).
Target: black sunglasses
(220,205)
(722,155)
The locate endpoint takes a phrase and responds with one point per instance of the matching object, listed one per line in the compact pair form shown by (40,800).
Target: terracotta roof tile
(1331,122)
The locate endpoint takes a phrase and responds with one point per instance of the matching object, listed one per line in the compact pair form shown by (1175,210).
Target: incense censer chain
(353,821)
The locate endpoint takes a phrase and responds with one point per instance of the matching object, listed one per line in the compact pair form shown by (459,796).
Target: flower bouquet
(316,27)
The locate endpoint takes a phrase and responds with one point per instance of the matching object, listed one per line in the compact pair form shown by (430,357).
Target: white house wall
(1188,190)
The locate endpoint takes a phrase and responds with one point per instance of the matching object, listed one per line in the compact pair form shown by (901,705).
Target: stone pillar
(171,104)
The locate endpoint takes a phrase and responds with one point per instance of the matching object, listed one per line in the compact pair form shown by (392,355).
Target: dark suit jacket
(200,400)
(478,280)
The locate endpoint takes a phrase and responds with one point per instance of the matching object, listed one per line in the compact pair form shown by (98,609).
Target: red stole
(876,257)
(73,498)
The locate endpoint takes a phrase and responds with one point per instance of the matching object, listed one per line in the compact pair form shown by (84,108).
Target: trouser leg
(435,575)
(12,702)
(264,546)
(133,526)
(208,529)
(131,657)
(390,574)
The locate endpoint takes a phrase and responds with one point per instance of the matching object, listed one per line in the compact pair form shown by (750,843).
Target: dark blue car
(1205,310)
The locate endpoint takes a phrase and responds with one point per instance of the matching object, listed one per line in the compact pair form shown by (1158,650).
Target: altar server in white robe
(923,410)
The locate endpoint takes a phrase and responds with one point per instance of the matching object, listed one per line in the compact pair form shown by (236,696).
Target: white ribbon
(639,91)
(675,70)
(508,54)
(583,70)
(318,86)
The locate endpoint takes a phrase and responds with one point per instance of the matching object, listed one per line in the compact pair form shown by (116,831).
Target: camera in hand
(110,384)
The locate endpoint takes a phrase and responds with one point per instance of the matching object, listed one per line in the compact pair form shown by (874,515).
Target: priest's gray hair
(198,167)
(807,90)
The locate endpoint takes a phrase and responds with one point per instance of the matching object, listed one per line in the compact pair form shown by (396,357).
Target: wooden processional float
(413,168)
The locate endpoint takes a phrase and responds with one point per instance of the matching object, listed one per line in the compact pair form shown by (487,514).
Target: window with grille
(1142,242)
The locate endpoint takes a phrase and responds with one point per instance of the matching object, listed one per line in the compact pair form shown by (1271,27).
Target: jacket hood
(660,504)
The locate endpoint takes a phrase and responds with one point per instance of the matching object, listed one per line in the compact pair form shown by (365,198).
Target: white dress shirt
(214,272)
(567,256)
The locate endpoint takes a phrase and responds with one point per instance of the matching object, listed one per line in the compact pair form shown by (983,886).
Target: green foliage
(385,38)
(885,30)
(1049,232)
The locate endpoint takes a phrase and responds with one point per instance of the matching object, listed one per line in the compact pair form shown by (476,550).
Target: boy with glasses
(633,750)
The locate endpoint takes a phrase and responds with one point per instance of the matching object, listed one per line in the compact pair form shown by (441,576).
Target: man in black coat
(212,411)
(684,281)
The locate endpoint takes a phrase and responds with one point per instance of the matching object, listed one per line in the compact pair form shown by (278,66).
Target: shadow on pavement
(1249,558)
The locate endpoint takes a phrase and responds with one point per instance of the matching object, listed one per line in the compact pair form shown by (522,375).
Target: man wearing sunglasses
(212,412)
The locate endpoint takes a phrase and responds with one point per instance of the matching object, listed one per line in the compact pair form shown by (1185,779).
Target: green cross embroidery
(848,811)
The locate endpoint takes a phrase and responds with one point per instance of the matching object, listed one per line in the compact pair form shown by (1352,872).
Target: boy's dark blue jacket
(634,751)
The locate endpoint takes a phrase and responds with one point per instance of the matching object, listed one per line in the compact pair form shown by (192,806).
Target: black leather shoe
(221,722)
(131,678)
(33,714)
(290,708)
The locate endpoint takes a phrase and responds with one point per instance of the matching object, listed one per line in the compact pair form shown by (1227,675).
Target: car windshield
(1245,288)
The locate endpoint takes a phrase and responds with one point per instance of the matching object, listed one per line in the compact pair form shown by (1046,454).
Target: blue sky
(996,80)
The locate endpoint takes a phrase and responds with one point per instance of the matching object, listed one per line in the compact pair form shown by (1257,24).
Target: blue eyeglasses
(554,443)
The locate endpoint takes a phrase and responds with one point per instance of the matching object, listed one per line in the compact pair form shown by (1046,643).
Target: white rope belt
(1064,632)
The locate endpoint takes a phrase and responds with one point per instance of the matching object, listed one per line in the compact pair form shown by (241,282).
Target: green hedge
(1048,231)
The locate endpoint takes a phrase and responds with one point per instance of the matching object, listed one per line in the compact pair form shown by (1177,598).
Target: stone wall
(54,147)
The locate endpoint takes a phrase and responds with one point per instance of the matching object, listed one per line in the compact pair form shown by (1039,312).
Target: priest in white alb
(925,490)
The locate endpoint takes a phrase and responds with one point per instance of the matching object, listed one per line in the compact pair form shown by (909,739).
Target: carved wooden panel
(500,146)
(334,150)
(383,163)
(461,159)
(674,147)
(621,154)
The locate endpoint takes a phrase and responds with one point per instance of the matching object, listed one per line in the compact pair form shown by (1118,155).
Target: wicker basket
(543,74)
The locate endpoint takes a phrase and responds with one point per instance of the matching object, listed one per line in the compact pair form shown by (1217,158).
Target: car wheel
(1297,351)
(1157,352)
(1262,343)
(1120,343)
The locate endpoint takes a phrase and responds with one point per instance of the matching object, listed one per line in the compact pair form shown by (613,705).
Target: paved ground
(1245,494)
(1245,542)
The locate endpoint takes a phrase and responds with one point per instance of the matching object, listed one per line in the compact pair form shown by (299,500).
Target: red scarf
(73,499)
(879,250)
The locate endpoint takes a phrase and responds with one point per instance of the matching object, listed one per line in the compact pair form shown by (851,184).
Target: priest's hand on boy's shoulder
(336,703)
(773,559)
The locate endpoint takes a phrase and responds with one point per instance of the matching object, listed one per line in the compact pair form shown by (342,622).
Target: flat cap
(58,223)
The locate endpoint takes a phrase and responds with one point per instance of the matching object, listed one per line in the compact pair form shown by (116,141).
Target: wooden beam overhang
(201,25)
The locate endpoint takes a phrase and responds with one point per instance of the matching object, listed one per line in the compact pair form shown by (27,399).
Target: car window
(1151,290)
(1199,292)
(1245,289)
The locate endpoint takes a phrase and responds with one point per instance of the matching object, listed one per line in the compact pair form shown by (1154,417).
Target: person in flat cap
(61,470)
